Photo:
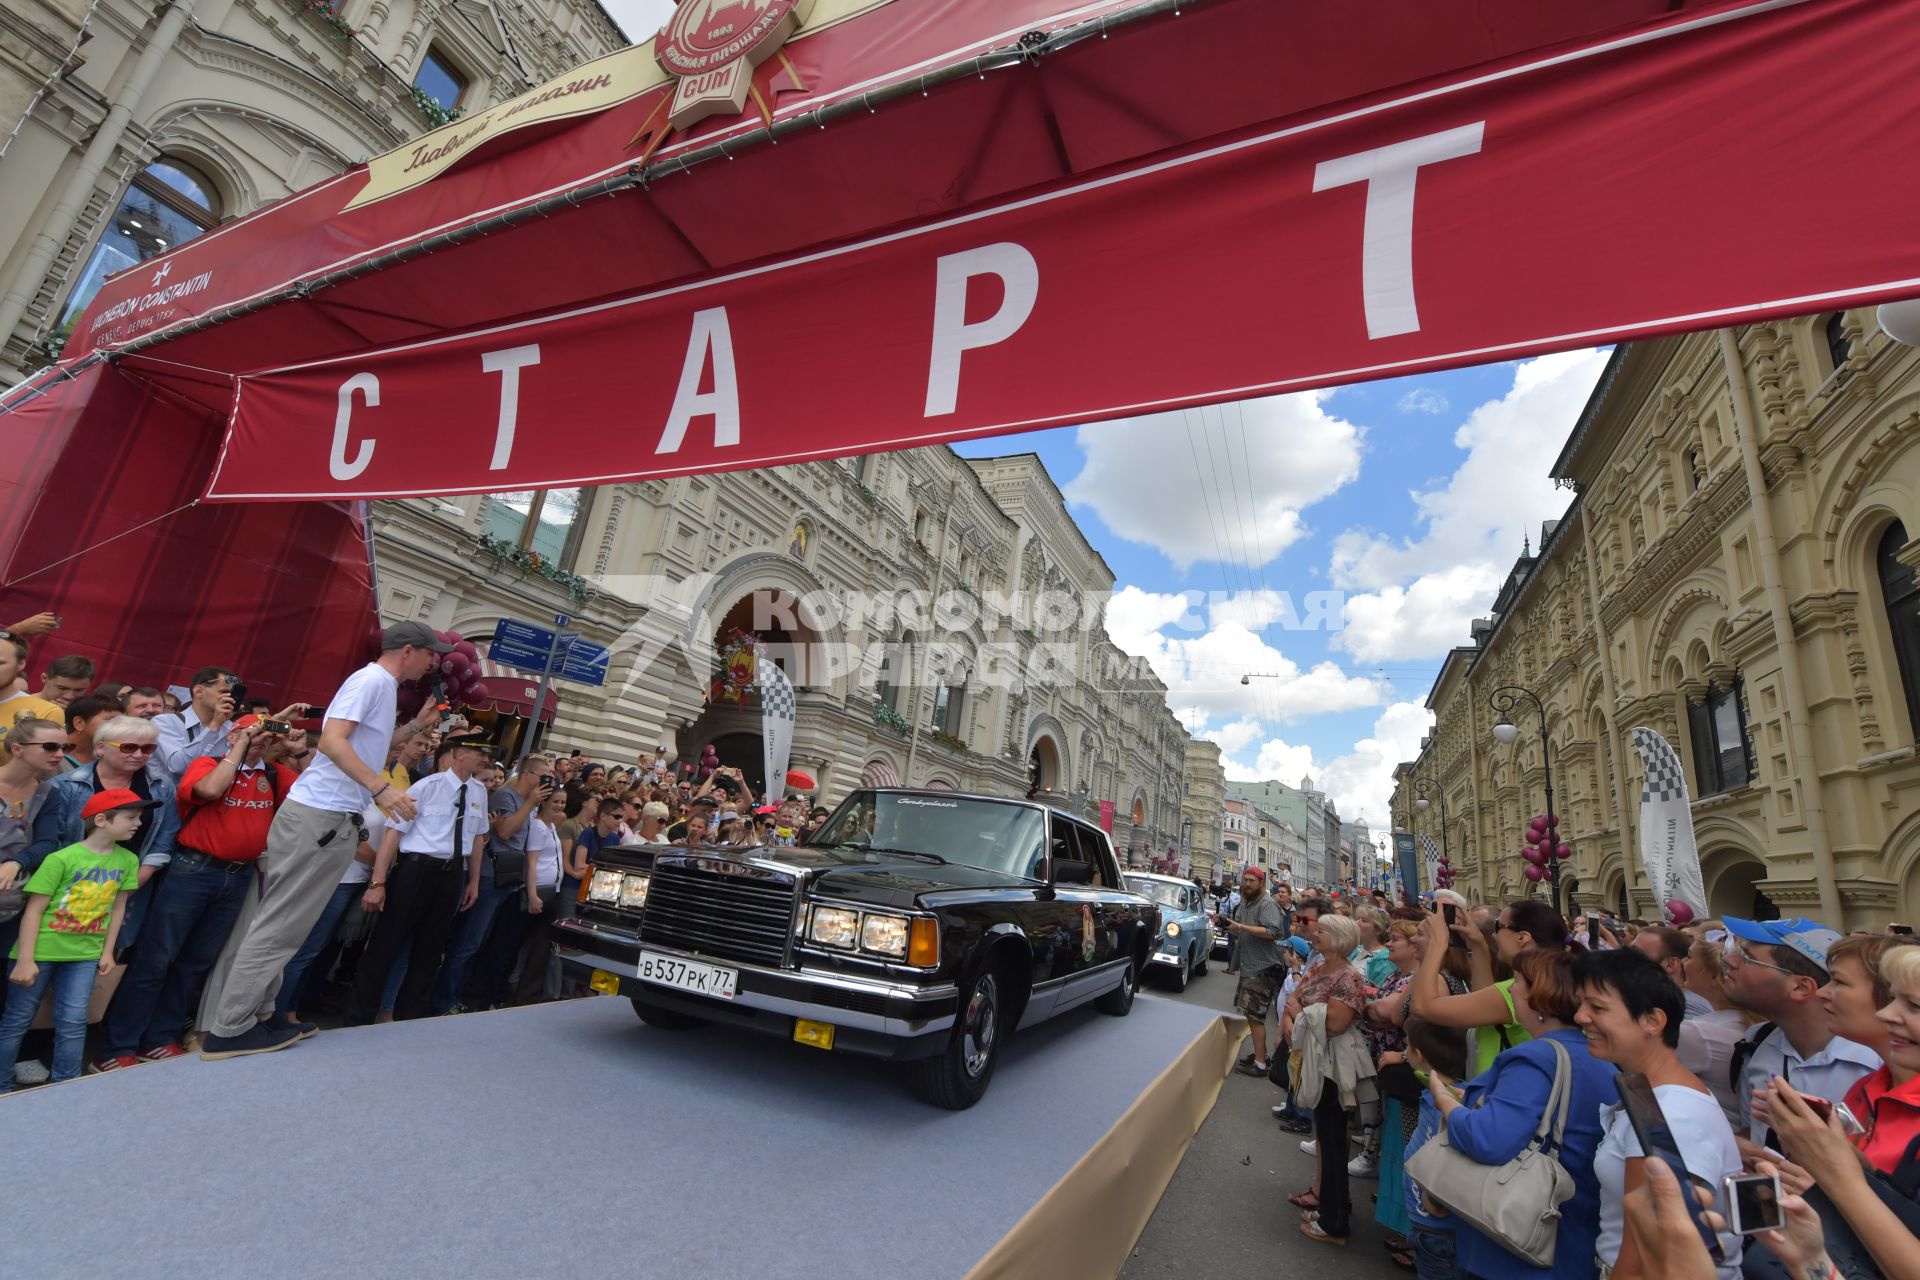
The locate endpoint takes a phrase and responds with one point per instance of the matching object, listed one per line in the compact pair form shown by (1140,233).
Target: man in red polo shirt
(227,803)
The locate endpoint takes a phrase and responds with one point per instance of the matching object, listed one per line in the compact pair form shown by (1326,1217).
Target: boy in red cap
(75,903)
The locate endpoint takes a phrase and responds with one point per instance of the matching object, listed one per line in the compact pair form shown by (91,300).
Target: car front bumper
(1175,958)
(871,1017)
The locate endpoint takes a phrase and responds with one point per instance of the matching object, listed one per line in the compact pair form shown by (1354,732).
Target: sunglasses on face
(136,748)
(46,746)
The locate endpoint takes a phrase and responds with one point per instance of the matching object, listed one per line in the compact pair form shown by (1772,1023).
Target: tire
(1180,978)
(1119,1001)
(1205,954)
(665,1019)
(958,1076)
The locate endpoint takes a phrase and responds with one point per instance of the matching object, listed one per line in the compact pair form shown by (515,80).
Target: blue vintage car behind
(1186,934)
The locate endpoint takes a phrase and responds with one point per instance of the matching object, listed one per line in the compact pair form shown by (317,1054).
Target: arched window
(1839,345)
(1901,590)
(169,203)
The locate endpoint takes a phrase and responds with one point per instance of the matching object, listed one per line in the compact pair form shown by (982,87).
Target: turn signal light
(923,943)
(585,881)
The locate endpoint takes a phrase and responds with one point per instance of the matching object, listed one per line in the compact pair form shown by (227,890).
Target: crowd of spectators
(1782,1048)
(413,872)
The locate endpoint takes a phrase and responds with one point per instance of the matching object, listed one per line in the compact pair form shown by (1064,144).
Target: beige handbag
(1516,1205)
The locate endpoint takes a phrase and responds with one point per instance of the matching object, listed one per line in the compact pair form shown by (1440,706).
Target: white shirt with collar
(183,739)
(1827,1074)
(436,800)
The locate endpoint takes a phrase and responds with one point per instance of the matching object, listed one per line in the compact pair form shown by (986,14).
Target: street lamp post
(1506,732)
(1421,787)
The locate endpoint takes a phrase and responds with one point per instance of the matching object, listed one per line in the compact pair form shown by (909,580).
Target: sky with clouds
(1337,543)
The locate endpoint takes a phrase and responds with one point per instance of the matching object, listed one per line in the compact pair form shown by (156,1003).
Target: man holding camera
(510,813)
(227,806)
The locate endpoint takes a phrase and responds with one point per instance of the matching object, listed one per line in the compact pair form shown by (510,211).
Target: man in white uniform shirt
(428,871)
(312,840)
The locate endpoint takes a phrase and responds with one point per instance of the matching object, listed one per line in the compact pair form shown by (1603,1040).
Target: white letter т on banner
(1386,239)
(952,335)
(508,364)
(369,388)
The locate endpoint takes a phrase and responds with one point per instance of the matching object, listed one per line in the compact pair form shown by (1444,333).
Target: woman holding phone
(1502,1107)
(1630,1012)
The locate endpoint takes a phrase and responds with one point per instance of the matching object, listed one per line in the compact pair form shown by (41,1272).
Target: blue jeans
(191,912)
(294,976)
(72,983)
(1433,1254)
(470,931)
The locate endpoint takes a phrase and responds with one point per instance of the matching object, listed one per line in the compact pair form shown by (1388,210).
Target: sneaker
(1248,1067)
(100,1066)
(29,1071)
(160,1053)
(261,1038)
(1289,1124)
(282,1022)
(1363,1166)
(1311,1147)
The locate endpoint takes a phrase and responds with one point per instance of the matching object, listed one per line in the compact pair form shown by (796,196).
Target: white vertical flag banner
(1430,855)
(1666,825)
(776,726)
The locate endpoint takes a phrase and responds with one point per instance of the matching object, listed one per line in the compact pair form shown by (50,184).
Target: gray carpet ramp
(565,1140)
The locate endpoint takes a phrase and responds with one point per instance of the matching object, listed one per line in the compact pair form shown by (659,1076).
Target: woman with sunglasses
(124,760)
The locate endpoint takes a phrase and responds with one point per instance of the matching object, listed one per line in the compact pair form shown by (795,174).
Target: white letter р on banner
(369,388)
(952,335)
(1386,241)
(508,363)
(711,336)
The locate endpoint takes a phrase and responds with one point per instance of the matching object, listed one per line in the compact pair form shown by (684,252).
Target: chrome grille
(744,914)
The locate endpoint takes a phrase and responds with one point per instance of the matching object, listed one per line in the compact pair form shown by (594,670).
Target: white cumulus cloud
(1359,781)
(1423,400)
(1415,597)
(1226,483)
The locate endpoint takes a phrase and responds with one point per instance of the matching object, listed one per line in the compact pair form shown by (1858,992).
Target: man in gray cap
(313,837)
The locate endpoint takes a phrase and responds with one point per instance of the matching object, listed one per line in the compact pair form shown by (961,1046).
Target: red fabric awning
(511,691)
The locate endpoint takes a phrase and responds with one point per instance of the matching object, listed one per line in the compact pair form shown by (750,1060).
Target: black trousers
(423,897)
(1330,1137)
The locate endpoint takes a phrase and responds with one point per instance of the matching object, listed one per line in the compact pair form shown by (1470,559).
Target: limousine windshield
(976,833)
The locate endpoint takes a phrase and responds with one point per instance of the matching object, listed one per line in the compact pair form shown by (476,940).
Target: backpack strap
(1743,1052)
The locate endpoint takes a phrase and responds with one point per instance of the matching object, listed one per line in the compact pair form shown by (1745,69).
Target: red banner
(1106,816)
(1600,194)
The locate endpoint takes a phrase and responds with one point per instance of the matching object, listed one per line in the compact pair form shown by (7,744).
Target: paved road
(1225,1213)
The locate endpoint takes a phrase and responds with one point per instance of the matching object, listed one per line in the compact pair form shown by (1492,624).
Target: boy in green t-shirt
(75,903)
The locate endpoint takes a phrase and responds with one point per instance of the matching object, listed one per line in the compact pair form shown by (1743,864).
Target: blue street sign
(523,645)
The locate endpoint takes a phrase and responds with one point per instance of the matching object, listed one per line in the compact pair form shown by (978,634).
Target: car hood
(881,878)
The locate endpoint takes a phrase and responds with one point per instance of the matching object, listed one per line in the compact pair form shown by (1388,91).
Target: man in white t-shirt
(313,838)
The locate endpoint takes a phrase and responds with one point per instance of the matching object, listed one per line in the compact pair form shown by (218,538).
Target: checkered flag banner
(776,726)
(1430,853)
(1666,824)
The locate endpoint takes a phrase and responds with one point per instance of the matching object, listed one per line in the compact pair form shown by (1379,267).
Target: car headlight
(1173,930)
(633,890)
(605,886)
(884,934)
(834,927)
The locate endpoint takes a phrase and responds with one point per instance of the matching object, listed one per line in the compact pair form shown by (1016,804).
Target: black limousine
(921,926)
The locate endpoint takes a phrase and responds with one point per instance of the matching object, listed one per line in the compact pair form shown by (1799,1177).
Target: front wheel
(1180,978)
(1119,1001)
(957,1076)
(1200,971)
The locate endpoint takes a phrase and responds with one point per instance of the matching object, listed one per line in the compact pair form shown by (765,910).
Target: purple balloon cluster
(709,761)
(1544,847)
(1679,914)
(459,673)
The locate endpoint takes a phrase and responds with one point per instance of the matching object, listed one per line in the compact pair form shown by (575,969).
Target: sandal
(1304,1200)
(1312,1231)
(1403,1260)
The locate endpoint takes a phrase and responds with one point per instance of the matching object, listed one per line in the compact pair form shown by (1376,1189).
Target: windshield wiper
(905,853)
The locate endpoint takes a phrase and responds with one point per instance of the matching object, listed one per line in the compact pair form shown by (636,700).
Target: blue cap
(1301,947)
(1809,938)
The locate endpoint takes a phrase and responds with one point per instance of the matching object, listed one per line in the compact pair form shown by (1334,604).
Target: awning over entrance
(512,692)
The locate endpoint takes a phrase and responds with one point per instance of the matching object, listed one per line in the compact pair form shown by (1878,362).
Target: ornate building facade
(1775,644)
(939,617)
(129,126)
